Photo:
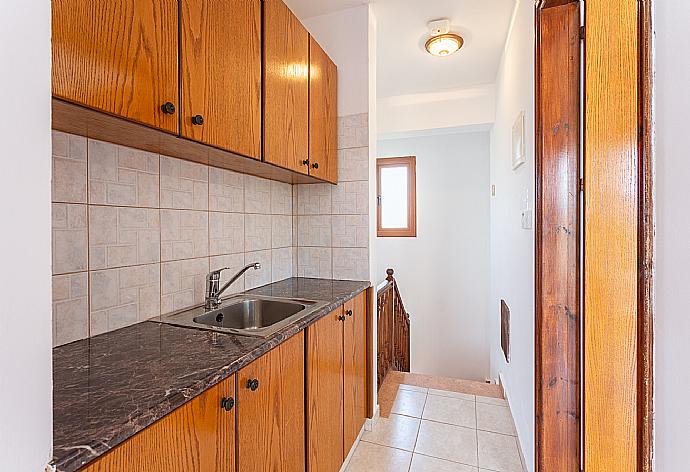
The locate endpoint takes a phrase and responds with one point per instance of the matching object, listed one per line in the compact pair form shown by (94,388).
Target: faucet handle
(215,274)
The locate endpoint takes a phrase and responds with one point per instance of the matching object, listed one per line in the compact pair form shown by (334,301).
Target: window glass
(394,197)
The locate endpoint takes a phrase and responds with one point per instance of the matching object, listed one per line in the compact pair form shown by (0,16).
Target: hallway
(441,431)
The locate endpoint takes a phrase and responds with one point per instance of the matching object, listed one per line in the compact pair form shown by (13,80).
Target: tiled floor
(431,430)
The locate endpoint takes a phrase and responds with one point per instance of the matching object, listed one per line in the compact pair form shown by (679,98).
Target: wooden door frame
(557,446)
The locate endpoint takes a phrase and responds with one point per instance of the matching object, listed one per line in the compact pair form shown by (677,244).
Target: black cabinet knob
(168,108)
(315,165)
(197,120)
(227,403)
(341,318)
(348,312)
(253,384)
(305,162)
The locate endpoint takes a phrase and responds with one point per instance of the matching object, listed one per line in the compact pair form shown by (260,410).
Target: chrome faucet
(213,288)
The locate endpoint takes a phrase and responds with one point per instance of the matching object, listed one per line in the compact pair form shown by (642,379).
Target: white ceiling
(404,67)
(308,8)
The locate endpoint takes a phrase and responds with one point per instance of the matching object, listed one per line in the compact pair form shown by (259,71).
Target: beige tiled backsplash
(135,233)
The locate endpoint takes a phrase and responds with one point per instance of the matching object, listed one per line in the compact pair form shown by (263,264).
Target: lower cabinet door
(270,409)
(197,437)
(325,393)
(354,369)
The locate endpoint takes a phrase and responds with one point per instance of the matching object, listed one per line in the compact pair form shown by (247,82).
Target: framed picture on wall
(518,154)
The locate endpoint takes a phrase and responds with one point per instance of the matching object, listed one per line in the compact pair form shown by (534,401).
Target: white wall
(512,248)
(672,101)
(443,273)
(25,293)
(437,110)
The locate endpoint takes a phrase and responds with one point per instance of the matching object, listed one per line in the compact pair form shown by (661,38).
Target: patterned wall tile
(257,232)
(70,308)
(351,198)
(281,198)
(184,185)
(226,233)
(122,176)
(183,283)
(315,262)
(353,164)
(353,131)
(351,263)
(314,230)
(70,238)
(314,199)
(121,297)
(257,278)
(257,195)
(69,168)
(281,233)
(120,236)
(226,190)
(234,263)
(184,234)
(350,231)
(281,264)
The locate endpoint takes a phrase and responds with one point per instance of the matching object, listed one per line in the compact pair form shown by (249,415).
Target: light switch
(527,219)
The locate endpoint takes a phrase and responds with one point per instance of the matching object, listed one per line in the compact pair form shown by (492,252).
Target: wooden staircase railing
(393,329)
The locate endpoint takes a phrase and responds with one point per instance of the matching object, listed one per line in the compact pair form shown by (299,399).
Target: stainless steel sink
(250,315)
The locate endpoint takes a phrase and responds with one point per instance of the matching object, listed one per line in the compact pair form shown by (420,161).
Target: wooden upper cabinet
(118,56)
(286,88)
(325,393)
(354,369)
(270,409)
(323,114)
(221,74)
(197,437)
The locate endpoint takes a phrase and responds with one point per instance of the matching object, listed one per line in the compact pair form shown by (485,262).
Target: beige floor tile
(422,463)
(492,401)
(446,393)
(450,442)
(370,457)
(450,410)
(494,418)
(498,452)
(413,388)
(409,403)
(396,431)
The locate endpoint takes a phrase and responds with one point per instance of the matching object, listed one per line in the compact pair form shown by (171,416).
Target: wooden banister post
(390,275)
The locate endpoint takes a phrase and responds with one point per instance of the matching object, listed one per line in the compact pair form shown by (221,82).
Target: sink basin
(249,315)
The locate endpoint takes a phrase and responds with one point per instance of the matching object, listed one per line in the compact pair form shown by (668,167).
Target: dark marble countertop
(109,387)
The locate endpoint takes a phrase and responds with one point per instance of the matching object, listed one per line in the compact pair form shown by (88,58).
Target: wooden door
(197,437)
(286,88)
(354,370)
(118,56)
(221,74)
(557,330)
(325,393)
(323,114)
(270,409)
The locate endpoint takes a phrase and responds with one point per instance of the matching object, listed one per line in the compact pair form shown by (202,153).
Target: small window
(396,197)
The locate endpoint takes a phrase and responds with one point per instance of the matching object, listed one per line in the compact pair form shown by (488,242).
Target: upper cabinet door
(323,115)
(118,56)
(221,74)
(286,88)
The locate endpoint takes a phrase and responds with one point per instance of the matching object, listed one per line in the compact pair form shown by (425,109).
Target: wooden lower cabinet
(325,393)
(270,410)
(354,369)
(197,437)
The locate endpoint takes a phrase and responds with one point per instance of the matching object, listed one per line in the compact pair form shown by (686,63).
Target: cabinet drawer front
(197,437)
(221,74)
(119,57)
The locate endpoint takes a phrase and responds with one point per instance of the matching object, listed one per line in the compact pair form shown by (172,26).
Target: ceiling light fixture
(442,42)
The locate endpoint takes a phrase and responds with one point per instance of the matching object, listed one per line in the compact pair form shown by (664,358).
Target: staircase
(393,329)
